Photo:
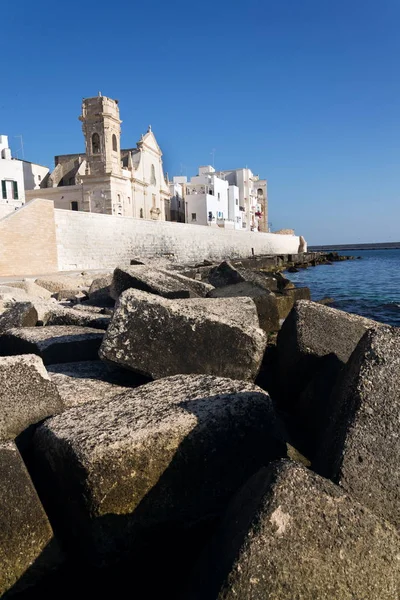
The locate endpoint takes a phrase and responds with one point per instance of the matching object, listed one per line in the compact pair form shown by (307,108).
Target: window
(39,178)
(141,213)
(95,143)
(237,201)
(153,199)
(119,198)
(74,206)
(129,200)
(210,216)
(260,192)
(114,143)
(153,175)
(219,196)
(9,189)
(193,216)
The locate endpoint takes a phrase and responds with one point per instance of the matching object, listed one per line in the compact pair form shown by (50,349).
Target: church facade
(107,179)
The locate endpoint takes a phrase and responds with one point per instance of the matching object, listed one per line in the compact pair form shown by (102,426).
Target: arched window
(96,143)
(141,213)
(260,192)
(153,175)
(114,143)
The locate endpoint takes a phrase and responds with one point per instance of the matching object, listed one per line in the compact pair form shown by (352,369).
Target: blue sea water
(368,287)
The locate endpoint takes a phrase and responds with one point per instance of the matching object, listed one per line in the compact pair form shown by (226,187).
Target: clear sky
(304,92)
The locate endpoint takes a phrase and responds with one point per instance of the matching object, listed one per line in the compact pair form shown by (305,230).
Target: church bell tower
(101,127)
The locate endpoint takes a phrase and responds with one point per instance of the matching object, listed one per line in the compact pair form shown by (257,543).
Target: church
(107,179)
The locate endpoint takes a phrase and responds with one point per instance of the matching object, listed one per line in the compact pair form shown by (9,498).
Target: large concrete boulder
(159,337)
(224,274)
(152,462)
(27,394)
(28,550)
(361,448)
(17,314)
(264,300)
(91,381)
(148,278)
(291,534)
(198,287)
(54,344)
(263,280)
(59,315)
(31,288)
(65,282)
(314,339)
(100,290)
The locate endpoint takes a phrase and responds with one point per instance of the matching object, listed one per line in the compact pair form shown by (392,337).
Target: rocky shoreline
(197,432)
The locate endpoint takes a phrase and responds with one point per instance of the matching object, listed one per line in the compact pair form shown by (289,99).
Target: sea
(369,286)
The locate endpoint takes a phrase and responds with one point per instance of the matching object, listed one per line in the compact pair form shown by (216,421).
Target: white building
(177,189)
(210,200)
(16,176)
(107,179)
(253,198)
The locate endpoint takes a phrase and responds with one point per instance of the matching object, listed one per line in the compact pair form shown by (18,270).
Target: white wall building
(207,199)
(16,176)
(253,198)
(107,179)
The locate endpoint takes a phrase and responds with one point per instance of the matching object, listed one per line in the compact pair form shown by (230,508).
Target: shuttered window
(4,190)
(15,184)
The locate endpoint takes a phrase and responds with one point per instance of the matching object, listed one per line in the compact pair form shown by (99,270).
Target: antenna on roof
(99,93)
(22,146)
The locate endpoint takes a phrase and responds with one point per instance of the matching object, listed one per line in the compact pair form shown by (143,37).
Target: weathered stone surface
(198,287)
(27,546)
(164,456)
(9,293)
(258,278)
(100,290)
(285,304)
(361,448)
(298,293)
(17,314)
(291,534)
(264,300)
(313,331)
(224,274)
(70,283)
(159,337)
(59,315)
(27,394)
(91,381)
(147,279)
(31,288)
(72,295)
(54,344)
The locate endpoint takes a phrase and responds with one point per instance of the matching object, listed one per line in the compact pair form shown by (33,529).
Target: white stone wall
(92,241)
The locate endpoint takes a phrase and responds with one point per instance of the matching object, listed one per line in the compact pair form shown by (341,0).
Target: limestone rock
(31,288)
(298,293)
(91,381)
(27,547)
(100,290)
(291,534)
(284,304)
(198,287)
(267,282)
(313,331)
(361,449)
(27,394)
(54,344)
(9,293)
(59,315)
(18,314)
(165,456)
(264,300)
(224,274)
(67,282)
(159,337)
(147,278)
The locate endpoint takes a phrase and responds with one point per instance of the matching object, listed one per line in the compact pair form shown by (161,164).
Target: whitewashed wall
(91,241)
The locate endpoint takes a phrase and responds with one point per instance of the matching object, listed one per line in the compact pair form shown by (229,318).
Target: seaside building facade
(253,198)
(16,176)
(105,178)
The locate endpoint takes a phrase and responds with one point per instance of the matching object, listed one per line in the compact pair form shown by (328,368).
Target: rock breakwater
(148,420)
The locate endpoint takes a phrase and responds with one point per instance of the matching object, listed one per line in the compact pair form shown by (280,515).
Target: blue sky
(305,93)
